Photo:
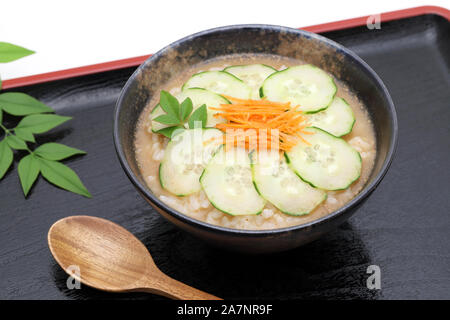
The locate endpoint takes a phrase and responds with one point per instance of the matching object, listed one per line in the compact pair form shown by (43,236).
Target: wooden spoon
(110,258)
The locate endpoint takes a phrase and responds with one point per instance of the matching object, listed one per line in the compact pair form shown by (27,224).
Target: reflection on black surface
(54,135)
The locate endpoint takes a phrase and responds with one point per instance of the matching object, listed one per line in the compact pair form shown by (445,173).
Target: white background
(67,34)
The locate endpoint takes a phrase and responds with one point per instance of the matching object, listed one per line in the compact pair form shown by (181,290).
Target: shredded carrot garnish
(257,123)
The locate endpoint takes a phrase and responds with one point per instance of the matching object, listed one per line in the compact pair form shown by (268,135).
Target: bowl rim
(368,188)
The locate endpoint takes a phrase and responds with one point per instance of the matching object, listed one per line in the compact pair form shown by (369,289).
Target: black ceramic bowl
(311,48)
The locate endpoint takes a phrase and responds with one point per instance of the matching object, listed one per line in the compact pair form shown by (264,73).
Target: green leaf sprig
(178,114)
(37,118)
(10,52)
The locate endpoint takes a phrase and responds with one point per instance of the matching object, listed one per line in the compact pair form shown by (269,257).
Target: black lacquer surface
(403,227)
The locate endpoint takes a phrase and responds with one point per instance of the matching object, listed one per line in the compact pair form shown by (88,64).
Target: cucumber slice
(156,112)
(278,184)
(199,97)
(306,85)
(227,182)
(185,158)
(328,163)
(337,119)
(220,82)
(252,74)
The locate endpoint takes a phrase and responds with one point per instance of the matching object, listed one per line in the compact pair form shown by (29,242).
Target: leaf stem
(5,129)
(9,133)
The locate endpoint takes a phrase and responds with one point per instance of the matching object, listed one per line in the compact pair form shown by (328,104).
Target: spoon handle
(171,288)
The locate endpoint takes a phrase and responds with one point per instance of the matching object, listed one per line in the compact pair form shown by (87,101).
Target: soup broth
(150,148)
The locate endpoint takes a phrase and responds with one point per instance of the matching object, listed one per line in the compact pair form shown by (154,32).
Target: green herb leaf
(1,114)
(28,170)
(185,109)
(56,151)
(169,132)
(6,158)
(16,143)
(199,115)
(40,123)
(167,119)
(10,52)
(21,104)
(63,177)
(24,134)
(169,104)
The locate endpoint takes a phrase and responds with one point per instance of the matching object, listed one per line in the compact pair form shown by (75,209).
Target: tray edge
(136,61)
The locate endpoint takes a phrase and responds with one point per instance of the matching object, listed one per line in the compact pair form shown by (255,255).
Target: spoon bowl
(112,259)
